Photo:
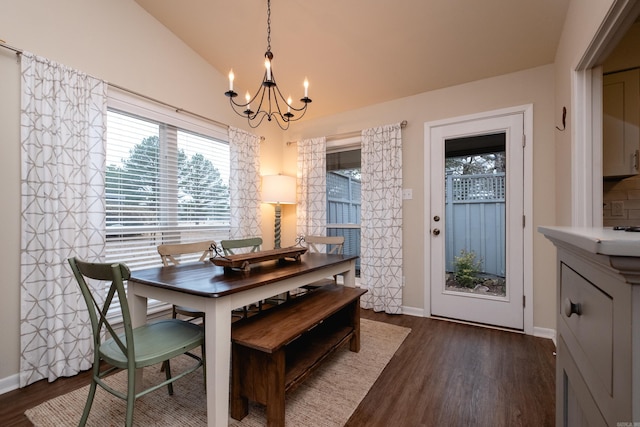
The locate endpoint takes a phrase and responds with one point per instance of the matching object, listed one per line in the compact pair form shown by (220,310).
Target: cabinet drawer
(587,312)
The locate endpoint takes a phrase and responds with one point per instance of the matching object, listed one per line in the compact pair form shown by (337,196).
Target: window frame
(175,121)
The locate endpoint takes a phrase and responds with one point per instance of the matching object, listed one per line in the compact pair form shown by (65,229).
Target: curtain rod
(346,135)
(6,46)
(173,107)
(177,109)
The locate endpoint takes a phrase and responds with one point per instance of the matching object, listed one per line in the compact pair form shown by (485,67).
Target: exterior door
(476,220)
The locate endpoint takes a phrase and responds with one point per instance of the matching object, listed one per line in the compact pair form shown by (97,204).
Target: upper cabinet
(621,122)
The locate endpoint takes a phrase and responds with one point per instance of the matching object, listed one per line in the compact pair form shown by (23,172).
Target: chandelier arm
(257,92)
(262,91)
(261,113)
(281,122)
(303,108)
(233,107)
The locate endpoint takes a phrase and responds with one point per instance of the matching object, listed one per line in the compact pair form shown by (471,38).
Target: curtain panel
(63,137)
(244,184)
(311,208)
(381,222)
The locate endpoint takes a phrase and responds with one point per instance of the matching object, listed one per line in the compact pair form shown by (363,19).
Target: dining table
(217,291)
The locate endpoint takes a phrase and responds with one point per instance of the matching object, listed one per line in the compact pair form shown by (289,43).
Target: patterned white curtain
(311,209)
(63,134)
(244,184)
(381,227)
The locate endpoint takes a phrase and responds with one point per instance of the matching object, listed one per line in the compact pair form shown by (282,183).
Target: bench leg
(354,343)
(275,389)
(239,404)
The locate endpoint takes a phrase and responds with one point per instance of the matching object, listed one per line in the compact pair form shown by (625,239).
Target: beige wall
(117,41)
(533,86)
(10,215)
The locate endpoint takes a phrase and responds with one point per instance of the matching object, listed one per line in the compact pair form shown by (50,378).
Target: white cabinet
(598,327)
(621,121)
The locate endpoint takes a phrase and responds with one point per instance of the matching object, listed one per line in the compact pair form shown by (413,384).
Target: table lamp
(281,190)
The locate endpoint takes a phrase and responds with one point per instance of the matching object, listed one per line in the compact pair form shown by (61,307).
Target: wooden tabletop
(209,280)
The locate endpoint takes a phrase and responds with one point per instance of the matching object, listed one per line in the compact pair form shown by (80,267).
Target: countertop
(604,241)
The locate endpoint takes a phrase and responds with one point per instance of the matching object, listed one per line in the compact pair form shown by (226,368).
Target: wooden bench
(274,351)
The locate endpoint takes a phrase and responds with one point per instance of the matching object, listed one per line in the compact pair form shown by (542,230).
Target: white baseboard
(10,383)
(545,333)
(537,332)
(413,311)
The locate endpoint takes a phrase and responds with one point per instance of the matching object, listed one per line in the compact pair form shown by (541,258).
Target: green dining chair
(135,348)
(233,246)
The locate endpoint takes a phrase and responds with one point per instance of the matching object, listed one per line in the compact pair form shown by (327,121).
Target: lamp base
(276,234)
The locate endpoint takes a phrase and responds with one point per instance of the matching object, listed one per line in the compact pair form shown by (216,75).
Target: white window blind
(167,181)
(164,184)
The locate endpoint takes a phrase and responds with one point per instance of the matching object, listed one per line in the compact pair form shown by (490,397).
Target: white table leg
(138,309)
(218,359)
(350,275)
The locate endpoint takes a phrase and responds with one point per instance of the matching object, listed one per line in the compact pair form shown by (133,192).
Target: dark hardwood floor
(451,374)
(444,374)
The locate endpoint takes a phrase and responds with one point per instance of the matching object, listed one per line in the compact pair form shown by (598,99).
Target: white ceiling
(362,52)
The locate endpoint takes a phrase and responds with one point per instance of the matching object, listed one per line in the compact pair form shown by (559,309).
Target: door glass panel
(475,215)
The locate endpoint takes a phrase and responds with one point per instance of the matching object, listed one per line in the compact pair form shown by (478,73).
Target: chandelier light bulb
(267,65)
(231,77)
(306,88)
(289,104)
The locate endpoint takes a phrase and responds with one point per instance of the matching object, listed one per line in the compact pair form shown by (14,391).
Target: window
(343,199)
(167,181)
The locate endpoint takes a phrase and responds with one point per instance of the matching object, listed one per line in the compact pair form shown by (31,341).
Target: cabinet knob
(572,308)
(436,231)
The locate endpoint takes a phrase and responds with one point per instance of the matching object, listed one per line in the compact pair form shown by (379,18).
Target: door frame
(527,112)
(586,99)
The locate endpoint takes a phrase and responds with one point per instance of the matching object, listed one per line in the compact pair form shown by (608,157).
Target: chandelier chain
(268,25)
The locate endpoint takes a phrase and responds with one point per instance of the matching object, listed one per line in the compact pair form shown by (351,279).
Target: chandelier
(269,99)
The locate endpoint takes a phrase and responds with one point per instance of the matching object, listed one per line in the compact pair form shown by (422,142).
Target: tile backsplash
(621,199)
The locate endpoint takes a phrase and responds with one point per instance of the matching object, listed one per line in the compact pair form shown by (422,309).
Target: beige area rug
(325,399)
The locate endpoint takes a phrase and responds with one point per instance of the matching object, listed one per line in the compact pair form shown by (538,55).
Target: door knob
(436,231)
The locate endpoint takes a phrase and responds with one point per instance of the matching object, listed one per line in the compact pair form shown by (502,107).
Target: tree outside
(134,187)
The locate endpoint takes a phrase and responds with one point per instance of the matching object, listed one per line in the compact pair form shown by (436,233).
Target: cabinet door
(621,119)
(575,406)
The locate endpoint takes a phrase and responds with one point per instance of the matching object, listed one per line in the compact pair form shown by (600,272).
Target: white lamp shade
(279,189)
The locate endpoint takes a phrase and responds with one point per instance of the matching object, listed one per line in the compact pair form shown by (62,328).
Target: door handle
(436,231)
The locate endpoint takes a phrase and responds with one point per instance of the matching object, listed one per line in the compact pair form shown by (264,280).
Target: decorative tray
(244,261)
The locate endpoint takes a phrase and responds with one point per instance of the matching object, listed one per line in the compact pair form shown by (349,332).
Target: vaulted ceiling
(361,52)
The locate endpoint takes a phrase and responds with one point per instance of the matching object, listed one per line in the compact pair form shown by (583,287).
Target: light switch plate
(407,194)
